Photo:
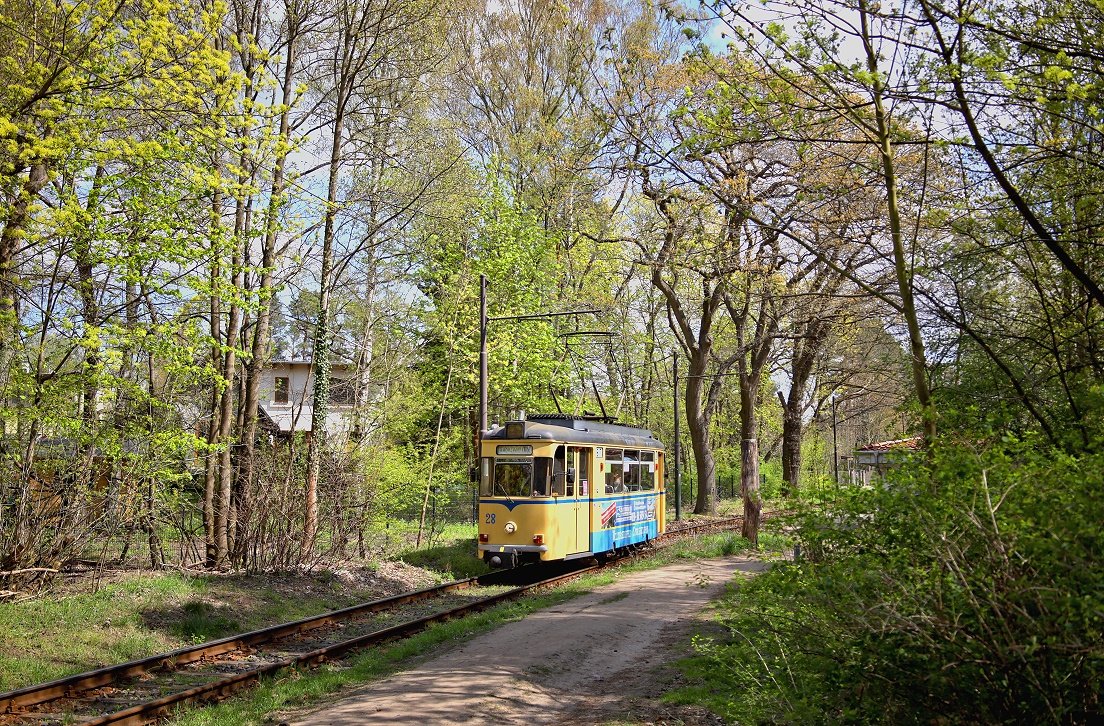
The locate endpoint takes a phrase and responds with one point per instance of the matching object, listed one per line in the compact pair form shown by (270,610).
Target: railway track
(145,690)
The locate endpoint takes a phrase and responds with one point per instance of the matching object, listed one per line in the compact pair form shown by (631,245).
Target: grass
(722,544)
(699,671)
(454,558)
(49,638)
(52,637)
(202,622)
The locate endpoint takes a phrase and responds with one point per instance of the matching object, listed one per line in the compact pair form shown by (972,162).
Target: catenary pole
(678,478)
(482,355)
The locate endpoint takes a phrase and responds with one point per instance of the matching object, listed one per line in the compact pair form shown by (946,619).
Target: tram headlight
(511,527)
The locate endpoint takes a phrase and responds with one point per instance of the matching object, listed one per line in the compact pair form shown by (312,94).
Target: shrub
(967,588)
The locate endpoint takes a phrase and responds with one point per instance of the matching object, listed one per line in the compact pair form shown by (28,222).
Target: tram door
(578,492)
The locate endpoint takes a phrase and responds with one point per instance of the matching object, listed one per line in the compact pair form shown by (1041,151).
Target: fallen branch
(26,570)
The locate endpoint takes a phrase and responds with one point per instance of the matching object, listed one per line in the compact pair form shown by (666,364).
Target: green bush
(771,486)
(966,588)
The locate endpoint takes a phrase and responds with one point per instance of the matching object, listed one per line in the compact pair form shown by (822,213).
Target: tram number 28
(490,518)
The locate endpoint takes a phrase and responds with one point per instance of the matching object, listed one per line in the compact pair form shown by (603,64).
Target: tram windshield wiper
(505,493)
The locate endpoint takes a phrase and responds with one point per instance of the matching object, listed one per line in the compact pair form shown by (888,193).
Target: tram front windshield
(514,478)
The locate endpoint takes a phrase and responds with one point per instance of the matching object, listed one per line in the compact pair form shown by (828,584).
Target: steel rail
(699,527)
(145,713)
(19,699)
(14,702)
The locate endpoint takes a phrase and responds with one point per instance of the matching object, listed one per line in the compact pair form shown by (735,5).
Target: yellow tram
(558,487)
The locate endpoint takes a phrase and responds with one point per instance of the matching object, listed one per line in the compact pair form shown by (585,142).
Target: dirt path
(592,659)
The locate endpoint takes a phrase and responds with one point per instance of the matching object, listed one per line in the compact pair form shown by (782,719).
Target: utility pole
(678,477)
(835,448)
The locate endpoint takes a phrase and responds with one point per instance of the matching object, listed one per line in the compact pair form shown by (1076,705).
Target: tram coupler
(503,560)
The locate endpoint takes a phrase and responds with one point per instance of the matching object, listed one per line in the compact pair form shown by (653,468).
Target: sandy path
(540,669)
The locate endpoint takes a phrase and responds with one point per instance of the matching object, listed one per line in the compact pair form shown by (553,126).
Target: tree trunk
(792,429)
(900,258)
(90,313)
(754,356)
(14,227)
(225,430)
(806,349)
(210,478)
(698,421)
(749,433)
(696,344)
(749,485)
(259,348)
(229,373)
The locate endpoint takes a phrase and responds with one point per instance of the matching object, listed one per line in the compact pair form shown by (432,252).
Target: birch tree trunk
(322,335)
(210,470)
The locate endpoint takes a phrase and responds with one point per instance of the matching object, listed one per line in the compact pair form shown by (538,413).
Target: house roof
(335,364)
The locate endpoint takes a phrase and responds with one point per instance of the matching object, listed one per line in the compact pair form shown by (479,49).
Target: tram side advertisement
(626,521)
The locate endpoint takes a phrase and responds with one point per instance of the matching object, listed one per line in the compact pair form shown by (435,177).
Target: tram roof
(578,429)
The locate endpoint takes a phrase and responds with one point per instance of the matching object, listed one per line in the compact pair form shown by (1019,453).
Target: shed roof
(911,444)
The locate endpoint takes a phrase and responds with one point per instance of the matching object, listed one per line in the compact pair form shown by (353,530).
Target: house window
(281,391)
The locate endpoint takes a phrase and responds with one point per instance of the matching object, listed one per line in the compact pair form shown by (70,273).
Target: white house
(287,397)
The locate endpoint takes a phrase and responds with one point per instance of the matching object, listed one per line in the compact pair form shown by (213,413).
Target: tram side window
(559,473)
(513,478)
(615,481)
(647,471)
(582,473)
(632,471)
(542,476)
(486,481)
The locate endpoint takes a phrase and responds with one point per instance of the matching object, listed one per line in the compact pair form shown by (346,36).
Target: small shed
(875,459)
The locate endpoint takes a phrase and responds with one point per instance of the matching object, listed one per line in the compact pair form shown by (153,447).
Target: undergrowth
(964,588)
